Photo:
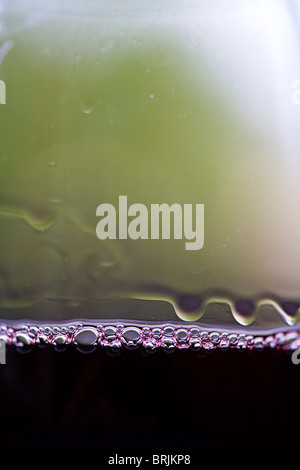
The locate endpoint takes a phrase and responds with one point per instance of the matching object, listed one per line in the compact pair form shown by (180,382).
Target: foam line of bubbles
(117,336)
